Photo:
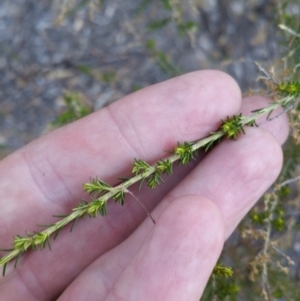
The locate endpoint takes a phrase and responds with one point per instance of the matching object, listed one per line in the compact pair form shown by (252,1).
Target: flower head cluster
(233,126)
(184,151)
(222,271)
(289,88)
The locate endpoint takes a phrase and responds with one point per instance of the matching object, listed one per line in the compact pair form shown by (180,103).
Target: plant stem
(40,239)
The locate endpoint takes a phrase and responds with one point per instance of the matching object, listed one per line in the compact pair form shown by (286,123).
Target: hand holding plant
(123,255)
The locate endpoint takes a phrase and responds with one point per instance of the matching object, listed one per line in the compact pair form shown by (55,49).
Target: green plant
(163,61)
(221,285)
(74,109)
(101,192)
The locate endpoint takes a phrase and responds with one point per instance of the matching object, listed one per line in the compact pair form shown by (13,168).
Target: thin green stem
(102,192)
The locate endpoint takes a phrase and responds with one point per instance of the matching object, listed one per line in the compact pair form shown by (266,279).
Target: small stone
(297,247)
(3,141)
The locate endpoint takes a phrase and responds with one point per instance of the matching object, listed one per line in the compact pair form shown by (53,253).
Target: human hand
(123,256)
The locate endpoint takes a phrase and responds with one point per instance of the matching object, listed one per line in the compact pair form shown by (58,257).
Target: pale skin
(124,256)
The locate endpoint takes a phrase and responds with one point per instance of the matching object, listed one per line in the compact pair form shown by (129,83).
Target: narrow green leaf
(103,209)
(257,110)
(49,243)
(17,260)
(141,183)
(96,186)
(56,233)
(139,167)
(74,223)
(4,269)
(119,197)
(269,114)
(184,151)
(164,166)
(154,180)
(158,24)
(60,215)
(28,233)
(45,225)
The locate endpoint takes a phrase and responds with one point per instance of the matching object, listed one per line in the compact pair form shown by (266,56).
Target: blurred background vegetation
(62,59)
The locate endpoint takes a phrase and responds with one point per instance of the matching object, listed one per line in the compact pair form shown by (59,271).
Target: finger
(234,175)
(47,174)
(173,263)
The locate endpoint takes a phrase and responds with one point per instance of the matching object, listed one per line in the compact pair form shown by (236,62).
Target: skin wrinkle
(130,146)
(208,87)
(109,287)
(32,290)
(41,185)
(140,152)
(112,292)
